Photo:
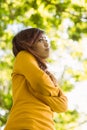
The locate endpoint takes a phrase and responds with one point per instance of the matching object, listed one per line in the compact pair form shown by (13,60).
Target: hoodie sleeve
(56,103)
(41,85)
(26,65)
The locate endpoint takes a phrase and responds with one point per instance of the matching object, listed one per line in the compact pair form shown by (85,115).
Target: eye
(40,40)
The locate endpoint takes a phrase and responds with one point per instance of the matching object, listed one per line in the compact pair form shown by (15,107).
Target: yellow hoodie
(35,97)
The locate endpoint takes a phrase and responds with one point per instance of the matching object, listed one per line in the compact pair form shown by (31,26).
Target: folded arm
(41,86)
(57,104)
(26,64)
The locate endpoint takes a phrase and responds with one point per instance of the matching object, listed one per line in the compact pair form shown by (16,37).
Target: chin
(45,57)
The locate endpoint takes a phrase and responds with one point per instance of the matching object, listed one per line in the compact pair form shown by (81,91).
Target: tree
(53,17)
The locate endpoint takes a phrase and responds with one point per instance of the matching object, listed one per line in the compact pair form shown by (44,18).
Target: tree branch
(64,11)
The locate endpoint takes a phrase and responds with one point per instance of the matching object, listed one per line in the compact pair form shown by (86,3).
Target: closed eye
(41,40)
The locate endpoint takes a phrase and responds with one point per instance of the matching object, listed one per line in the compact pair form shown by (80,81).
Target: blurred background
(65,23)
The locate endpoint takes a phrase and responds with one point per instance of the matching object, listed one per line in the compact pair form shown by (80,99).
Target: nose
(46,44)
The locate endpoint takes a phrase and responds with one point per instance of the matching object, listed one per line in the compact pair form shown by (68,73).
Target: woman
(36,94)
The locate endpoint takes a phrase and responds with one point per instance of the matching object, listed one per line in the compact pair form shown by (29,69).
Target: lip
(47,49)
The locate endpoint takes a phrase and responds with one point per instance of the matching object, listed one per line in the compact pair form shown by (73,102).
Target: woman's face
(42,47)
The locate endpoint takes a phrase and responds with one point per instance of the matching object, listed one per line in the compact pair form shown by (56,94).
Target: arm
(25,64)
(57,104)
(41,85)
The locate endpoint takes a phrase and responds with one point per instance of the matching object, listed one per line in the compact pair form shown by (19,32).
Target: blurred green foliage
(48,15)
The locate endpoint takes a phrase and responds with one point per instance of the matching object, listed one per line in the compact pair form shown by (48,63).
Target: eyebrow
(43,38)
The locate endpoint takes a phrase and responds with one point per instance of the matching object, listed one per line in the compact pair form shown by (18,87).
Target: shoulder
(24,54)
(25,57)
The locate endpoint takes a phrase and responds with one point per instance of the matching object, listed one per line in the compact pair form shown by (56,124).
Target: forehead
(44,36)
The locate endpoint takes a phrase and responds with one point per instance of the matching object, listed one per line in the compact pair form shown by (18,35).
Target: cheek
(39,47)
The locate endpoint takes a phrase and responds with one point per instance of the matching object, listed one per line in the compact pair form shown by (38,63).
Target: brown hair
(24,40)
